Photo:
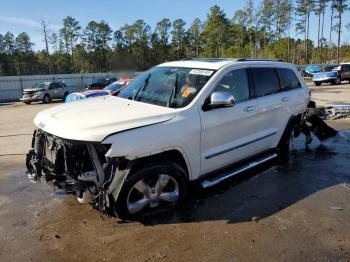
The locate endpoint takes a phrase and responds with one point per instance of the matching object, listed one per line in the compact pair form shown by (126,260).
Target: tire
(318,83)
(65,96)
(27,102)
(46,98)
(139,195)
(285,144)
(336,81)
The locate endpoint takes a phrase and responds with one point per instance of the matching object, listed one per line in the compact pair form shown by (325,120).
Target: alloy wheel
(160,191)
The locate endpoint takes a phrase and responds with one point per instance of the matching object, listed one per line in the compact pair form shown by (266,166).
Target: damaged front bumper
(78,168)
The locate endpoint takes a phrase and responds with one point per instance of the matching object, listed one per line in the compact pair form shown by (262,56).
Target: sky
(24,15)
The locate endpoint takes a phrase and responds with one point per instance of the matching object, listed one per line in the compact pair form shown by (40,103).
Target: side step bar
(216,180)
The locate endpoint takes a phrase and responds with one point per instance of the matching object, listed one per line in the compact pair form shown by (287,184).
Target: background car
(45,92)
(101,83)
(334,74)
(110,89)
(310,70)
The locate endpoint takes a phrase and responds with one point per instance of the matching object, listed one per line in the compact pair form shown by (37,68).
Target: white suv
(135,152)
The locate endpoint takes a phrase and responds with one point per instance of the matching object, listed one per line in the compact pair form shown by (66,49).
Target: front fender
(158,138)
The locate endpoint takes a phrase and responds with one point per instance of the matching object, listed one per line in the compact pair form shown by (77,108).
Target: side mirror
(219,100)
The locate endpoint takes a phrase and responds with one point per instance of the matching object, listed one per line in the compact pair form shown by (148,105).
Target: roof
(213,63)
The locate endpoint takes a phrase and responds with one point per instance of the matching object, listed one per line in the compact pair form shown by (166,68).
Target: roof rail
(208,59)
(231,59)
(258,59)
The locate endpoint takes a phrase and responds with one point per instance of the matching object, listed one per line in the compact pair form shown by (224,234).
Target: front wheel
(317,83)
(157,187)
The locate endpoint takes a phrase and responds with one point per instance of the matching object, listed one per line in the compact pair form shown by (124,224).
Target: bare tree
(45,31)
(340,6)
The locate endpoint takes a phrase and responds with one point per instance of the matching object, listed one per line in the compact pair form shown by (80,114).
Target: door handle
(249,108)
(285,99)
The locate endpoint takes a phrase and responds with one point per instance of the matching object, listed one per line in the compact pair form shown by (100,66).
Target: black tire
(336,81)
(27,102)
(46,98)
(149,174)
(65,96)
(284,144)
(318,83)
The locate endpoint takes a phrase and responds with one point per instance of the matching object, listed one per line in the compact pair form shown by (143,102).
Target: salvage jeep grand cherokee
(135,152)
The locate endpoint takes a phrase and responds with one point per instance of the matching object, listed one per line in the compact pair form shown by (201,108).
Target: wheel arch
(292,122)
(172,155)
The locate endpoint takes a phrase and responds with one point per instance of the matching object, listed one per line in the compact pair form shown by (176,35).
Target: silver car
(45,92)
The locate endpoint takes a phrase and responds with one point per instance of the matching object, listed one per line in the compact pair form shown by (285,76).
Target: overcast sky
(23,16)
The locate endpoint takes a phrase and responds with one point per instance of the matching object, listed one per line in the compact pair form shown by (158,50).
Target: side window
(266,81)
(288,79)
(346,68)
(235,82)
(52,86)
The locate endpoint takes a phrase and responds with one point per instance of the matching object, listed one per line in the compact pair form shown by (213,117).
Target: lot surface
(293,210)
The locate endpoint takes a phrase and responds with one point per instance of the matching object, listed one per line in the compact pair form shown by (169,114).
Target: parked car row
(46,91)
(334,74)
(110,89)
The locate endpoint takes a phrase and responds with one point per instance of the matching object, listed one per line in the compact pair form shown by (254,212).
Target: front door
(228,134)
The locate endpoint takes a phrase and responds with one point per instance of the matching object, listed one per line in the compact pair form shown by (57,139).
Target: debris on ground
(56,236)
(348,188)
(336,208)
(314,131)
(338,111)
(255,219)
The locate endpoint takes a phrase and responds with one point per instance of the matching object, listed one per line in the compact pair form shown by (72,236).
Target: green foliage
(260,29)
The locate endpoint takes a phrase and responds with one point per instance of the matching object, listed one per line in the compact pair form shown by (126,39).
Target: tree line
(272,28)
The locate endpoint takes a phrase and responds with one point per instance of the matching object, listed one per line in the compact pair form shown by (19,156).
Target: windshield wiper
(174,89)
(143,88)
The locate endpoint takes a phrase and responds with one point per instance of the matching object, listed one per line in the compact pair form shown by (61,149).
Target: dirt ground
(294,210)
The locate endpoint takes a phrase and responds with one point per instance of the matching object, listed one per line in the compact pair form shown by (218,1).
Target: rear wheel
(27,102)
(46,98)
(286,143)
(336,81)
(153,188)
(317,83)
(65,96)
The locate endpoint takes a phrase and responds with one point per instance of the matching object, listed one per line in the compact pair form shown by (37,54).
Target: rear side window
(266,81)
(288,79)
(346,68)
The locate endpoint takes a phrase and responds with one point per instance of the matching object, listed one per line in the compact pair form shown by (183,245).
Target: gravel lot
(297,210)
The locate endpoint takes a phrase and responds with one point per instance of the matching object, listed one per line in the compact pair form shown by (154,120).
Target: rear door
(52,89)
(273,114)
(345,71)
(59,90)
(228,134)
(293,93)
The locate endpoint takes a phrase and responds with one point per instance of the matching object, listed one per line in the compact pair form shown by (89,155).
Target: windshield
(38,85)
(173,87)
(114,86)
(331,68)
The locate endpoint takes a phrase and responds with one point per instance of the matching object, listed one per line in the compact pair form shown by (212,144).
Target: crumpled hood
(96,118)
(33,89)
